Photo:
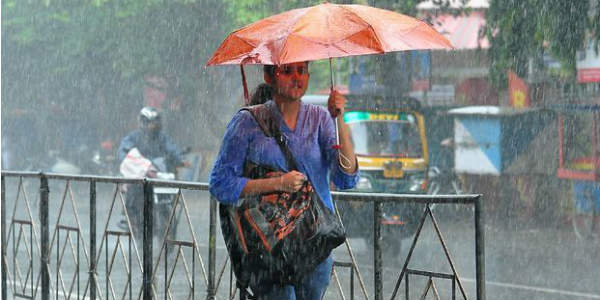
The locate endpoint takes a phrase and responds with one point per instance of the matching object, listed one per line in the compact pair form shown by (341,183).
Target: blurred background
(512,112)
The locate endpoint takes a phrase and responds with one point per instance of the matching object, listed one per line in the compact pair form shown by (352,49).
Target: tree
(521,31)
(88,59)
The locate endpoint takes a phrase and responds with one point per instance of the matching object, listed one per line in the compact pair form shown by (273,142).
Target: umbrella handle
(245,85)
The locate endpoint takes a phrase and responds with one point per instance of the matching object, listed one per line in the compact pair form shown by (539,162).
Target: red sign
(518,91)
(588,64)
(588,75)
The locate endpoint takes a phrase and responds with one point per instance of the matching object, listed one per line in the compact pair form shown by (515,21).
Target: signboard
(477,145)
(518,91)
(358,116)
(440,94)
(421,70)
(588,64)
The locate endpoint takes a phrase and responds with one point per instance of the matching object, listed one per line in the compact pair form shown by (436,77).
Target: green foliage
(523,30)
(74,54)
(79,57)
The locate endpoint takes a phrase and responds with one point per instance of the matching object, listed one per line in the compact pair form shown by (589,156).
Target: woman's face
(291,80)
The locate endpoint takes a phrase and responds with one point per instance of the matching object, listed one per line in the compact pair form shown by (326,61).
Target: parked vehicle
(104,159)
(83,159)
(391,148)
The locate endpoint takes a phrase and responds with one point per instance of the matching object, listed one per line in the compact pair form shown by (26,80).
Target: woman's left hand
(336,103)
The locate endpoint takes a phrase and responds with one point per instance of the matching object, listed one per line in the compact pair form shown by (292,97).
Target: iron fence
(168,267)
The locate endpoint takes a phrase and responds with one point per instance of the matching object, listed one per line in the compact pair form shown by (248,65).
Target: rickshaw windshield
(395,138)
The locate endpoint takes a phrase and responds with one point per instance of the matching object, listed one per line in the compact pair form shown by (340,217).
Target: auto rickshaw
(579,162)
(389,142)
(391,148)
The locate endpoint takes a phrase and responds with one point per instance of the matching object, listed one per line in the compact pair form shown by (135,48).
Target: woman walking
(309,132)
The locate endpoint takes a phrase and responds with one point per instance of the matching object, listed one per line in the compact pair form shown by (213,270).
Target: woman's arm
(337,103)
(227,182)
(346,147)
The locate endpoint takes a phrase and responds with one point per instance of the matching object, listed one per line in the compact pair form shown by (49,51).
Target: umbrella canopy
(326,31)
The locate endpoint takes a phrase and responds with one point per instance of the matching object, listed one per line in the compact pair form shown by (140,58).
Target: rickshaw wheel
(583,225)
(585,218)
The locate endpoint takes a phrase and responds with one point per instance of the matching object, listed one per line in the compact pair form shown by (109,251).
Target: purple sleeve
(226,180)
(340,178)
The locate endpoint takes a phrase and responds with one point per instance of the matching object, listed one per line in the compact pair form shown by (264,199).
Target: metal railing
(31,239)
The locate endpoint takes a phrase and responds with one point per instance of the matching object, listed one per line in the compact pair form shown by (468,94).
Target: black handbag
(279,237)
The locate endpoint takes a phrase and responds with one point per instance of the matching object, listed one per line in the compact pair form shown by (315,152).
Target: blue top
(311,144)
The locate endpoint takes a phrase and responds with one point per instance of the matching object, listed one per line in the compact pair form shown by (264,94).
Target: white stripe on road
(489,283)
(536,289)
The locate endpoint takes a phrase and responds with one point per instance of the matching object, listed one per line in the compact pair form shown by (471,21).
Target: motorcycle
(447,182)
(137,166)
(103,159)
(443,182)
(83,160)
(164,201)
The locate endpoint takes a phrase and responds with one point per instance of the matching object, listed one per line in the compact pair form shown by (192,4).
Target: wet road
(522,261)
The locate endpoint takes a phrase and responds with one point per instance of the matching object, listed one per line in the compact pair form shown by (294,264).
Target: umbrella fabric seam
(381,45)
(228,60)
(331,31)
(367,25)
(285,39)
(376,50)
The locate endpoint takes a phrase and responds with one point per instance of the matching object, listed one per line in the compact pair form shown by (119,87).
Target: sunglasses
(289,70)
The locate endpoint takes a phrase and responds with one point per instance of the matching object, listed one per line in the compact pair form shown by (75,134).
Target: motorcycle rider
(152,143)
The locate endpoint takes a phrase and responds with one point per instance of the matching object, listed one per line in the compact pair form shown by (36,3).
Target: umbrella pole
(245,85)
(337,133)
(343,160)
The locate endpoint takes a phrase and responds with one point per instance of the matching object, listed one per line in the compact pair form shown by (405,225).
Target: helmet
(149,114)
(149,120)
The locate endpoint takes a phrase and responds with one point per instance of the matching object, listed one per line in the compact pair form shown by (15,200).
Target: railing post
(212,249)
(480,248)
(3,217)
(92,271)
(45,234)
(378,284)
(147,240)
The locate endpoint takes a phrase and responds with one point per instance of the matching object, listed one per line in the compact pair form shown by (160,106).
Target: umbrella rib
(285,38)
(416,27)
(285,42)
(381,46)
(379,49)
(428,41)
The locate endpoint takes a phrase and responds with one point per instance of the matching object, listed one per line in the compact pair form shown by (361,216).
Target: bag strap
(264,117)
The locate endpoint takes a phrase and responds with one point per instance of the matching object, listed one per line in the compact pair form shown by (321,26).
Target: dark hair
(263,91)
(261,94)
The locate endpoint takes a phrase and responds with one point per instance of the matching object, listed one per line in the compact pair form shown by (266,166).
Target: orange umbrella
(326,31)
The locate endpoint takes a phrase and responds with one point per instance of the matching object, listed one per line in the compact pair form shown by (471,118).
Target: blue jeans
(312,288)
